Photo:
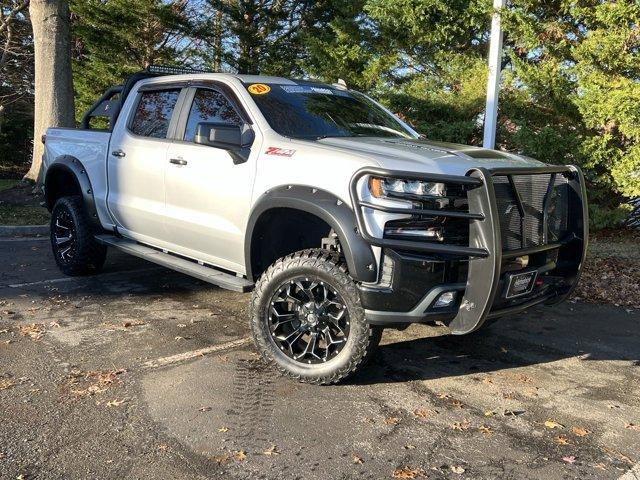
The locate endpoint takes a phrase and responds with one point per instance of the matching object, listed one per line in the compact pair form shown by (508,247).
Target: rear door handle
(118,153)
(178,161)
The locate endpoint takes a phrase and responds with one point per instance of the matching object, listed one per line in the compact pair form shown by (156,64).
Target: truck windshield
(314,111)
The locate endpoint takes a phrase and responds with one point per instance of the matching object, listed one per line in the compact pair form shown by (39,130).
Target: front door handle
(178,161)
(118,153)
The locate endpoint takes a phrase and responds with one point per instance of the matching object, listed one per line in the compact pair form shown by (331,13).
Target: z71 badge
(281,152)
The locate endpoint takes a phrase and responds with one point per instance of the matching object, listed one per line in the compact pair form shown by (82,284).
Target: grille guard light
(432,233)
(445,299)
(393,187)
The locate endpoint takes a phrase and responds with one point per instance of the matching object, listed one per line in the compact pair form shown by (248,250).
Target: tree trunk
(54,105)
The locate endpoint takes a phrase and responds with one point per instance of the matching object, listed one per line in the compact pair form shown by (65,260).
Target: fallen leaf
(632,426)
(562,440)
(6,383)
(240,455)
(485,430)
(221,459)
(223,429)
(553,424)
(163,447)
(407,472)
(272,450)
(524,379)
(422,413)
(392,421)
(115,403)
(409,447)
(34,331)
(569,459)
(490,413)
(460,426)
(457,469)
(580,432)
(357,460)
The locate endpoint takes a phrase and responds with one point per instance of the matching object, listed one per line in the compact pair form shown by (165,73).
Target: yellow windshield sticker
(259,89)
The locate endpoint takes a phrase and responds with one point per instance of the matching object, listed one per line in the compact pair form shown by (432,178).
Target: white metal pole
(493,85)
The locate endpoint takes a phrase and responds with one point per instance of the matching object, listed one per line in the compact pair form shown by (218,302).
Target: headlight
(392,187)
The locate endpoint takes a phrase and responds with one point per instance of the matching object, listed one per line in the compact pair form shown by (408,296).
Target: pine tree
(115,38)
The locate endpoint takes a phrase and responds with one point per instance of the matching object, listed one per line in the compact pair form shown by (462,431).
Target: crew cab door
(208,189)
(137,163)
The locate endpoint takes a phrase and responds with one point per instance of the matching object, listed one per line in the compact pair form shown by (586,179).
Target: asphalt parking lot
(141,372)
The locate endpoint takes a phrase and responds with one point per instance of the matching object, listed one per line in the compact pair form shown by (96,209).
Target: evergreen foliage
(570,84)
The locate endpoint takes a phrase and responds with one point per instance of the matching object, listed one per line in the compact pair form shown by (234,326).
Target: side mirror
(219,135)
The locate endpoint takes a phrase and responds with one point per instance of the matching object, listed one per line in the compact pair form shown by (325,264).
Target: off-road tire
(329,268)
(87,255)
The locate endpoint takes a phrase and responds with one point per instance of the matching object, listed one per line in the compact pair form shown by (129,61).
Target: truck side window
(153,113)
(212,107)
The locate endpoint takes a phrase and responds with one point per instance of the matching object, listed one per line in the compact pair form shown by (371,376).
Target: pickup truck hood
(428,156)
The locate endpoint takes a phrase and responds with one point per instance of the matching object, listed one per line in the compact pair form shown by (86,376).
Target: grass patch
(7,183)
(23,215)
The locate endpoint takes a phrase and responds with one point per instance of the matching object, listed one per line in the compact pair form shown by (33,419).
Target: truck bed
(89,146)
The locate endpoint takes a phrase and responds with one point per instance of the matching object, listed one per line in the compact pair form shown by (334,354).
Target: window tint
(314,111)
(212,107)
(153,113)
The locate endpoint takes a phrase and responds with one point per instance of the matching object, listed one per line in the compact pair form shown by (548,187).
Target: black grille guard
(485,251)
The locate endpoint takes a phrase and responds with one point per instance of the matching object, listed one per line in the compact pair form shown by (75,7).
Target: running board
(188,267)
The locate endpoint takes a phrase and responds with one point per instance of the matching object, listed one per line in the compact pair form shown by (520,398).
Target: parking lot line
(71,279)
(161,362)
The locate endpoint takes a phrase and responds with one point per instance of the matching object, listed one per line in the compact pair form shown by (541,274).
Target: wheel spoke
(61,226)
(281,318)
(337,316)
(304,290)
(63,240)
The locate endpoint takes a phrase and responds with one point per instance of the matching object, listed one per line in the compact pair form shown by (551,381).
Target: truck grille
(540,217)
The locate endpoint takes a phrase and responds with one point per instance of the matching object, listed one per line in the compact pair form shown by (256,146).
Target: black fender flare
(337,214)
(74,167)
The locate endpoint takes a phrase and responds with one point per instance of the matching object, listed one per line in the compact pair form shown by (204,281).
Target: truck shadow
(540,336)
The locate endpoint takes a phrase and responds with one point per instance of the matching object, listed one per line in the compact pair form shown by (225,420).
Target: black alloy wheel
(64,236)
(73,242)
(309,320)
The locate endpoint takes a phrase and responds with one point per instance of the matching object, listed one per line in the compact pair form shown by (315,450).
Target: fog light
(432,233)
(445,299)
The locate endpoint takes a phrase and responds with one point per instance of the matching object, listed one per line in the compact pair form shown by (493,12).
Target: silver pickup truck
(338,215)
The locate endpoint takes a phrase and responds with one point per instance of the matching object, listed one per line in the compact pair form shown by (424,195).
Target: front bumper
(421,271)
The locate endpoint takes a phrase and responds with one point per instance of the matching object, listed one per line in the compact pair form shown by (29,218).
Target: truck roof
(247,79)
(111,102)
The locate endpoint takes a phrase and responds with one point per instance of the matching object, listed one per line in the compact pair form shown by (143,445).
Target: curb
(23,230)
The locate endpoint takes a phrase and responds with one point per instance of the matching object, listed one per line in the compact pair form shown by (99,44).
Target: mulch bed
(22,194)
(610,280)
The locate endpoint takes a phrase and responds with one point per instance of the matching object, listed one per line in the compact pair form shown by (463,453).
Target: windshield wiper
(320,137)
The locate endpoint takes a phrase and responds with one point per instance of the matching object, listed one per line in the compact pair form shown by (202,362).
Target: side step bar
(188,267)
